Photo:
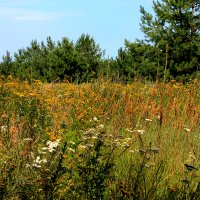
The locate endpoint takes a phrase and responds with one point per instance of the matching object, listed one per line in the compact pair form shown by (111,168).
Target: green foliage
(55,61)
(88,166)
(31,63)
(89,56)
(25,123)
(175,32)
(61,60)
(138,59)
(171,47)
(6,65)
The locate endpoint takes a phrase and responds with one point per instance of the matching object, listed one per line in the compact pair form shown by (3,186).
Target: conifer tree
(6,65)
(89,56)
(175,32)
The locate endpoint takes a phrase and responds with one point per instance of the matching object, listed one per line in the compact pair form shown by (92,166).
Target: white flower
(187,129)
(148,120)
(128,139)
(101,126)
(36,165)
(90,145)
(82,147)
(28,139)
(140,131)
(37,160)
(89,132)
(95,119)
(44,160)
(52,145)
(27,165)
(4,128)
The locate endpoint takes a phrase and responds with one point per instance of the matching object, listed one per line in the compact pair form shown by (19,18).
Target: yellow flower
(32,94)
(19,94)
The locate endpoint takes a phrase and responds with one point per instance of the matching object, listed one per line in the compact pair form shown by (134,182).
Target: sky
(109,22)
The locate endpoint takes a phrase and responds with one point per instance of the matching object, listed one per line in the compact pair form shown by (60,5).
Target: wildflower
(28,139)
(140,131)
(90,145)
(32,94)
(44,160)
(187,129)
(82,147)
(89,132)
(52,145)
(148,120)
(4,128)
(19,94)
(36,165)
(95,119)
(101,126)
(27,165)
(38,160)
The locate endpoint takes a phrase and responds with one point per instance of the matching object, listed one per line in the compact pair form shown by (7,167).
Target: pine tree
(61,60)
(6,65)
(137,60)
(89,56)
(175,32)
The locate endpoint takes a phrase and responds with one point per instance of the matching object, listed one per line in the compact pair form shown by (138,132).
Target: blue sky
(108,21)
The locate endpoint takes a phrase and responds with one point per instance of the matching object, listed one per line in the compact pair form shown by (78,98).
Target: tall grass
(99,141)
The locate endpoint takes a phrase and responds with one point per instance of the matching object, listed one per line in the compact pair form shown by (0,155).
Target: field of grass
(99,140)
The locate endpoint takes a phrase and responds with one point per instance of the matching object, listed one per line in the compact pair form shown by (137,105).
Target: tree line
(170,50)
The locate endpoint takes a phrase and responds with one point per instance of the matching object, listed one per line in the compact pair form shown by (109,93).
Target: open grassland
(99,140)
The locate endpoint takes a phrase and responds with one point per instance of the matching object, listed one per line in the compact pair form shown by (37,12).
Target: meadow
(99,140)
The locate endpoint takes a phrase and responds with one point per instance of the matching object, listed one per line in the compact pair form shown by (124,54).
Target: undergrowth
(99,141)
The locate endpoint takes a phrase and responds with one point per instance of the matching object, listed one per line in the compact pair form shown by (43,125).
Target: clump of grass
(25,124)
(88,164)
